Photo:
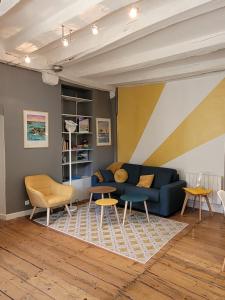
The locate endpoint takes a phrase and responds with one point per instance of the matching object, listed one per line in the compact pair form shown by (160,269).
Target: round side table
(107,202)
(134,198)
(100,190)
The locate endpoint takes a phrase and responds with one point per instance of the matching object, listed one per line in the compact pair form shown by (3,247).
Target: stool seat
(106,202)
(198,191)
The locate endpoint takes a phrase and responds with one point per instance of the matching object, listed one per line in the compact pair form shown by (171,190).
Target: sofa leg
(48,215)
(33,211)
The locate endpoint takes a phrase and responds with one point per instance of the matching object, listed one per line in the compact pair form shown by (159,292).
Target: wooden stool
(200,193)
(107,202)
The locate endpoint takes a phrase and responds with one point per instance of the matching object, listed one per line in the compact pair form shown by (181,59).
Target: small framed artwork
(103,132)
(35,129)
(83,125)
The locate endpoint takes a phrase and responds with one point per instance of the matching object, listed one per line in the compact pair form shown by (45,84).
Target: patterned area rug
(137,239)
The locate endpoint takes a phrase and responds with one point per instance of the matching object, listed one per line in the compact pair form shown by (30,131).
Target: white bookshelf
(77,161)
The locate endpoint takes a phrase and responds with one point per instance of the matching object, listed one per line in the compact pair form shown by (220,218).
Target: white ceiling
(169,39)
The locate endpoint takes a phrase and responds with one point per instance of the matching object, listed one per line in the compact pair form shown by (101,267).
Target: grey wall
(20,90)
(103,108)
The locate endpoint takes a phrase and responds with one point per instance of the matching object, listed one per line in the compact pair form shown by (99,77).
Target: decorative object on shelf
(103,132)
(70,126)
(35,129)
(83,125)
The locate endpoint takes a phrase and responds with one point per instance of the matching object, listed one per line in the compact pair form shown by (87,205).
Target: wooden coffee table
(100,190)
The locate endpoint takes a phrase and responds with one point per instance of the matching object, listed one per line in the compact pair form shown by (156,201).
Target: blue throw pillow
(107,175)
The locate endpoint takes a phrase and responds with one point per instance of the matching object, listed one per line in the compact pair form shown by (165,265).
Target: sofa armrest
(172,197)
(94,180)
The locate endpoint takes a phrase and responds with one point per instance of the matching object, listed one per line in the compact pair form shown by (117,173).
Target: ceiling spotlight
(65,42)
(27,59)
(66,38)
(94,29)
(133,12)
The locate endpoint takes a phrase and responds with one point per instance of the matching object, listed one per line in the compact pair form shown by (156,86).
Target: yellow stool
(107,202)
(200,193)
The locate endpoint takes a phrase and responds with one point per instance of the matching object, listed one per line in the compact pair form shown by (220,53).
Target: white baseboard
(19,214)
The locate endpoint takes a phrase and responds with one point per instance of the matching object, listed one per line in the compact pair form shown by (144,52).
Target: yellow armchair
(44,192)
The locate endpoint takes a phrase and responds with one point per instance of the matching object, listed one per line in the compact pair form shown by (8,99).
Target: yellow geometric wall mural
(204,122)
(135,107)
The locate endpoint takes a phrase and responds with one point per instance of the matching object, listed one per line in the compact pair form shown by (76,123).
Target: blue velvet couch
(166,195)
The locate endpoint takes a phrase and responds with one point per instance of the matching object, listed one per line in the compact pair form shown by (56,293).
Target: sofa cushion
(133,173)
(162,177)
(121,176)
(152,193)
(107,175)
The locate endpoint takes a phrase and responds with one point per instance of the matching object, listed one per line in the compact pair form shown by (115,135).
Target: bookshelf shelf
(75,99)
(77,162)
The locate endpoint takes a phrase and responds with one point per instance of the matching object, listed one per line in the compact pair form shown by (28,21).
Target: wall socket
(27,202)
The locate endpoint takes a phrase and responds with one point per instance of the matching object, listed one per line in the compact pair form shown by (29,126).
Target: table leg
(109,195)
(194,202)
(200,208)
(102,196)
(125,211)
(130,206)
(89,205)
(209,205)
(185,203)
(146,210)
(117,216)
(223,266)
(102,212)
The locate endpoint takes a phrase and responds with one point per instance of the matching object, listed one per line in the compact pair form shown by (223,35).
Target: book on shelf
(65,145)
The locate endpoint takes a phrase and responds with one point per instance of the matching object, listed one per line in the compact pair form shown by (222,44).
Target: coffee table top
(134,197)
(101,189)
(106,202)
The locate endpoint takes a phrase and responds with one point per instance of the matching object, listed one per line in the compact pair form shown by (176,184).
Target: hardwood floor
(40,263)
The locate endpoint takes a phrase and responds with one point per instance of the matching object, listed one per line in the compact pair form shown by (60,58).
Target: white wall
(2,168)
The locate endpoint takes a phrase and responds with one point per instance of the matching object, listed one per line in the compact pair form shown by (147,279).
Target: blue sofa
(166,195)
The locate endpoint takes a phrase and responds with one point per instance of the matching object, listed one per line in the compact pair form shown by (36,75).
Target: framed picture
(103,132)
(35,129)
(83,125)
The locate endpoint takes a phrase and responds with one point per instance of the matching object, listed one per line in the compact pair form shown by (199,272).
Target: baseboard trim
(19,214)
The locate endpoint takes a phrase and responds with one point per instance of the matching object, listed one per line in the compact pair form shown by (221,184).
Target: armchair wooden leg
(68,211)
(48,215)
(32,214)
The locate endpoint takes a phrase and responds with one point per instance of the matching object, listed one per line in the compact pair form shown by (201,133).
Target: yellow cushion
(121,175)
(114,167)
(145,181)
(99,175)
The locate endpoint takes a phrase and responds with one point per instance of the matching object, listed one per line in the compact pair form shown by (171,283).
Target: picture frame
(84,126)
(103,132)
(35,129)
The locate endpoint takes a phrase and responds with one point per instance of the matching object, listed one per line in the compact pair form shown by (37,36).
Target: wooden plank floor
(40,263)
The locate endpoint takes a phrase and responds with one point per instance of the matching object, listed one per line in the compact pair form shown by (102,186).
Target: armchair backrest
(41,183)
